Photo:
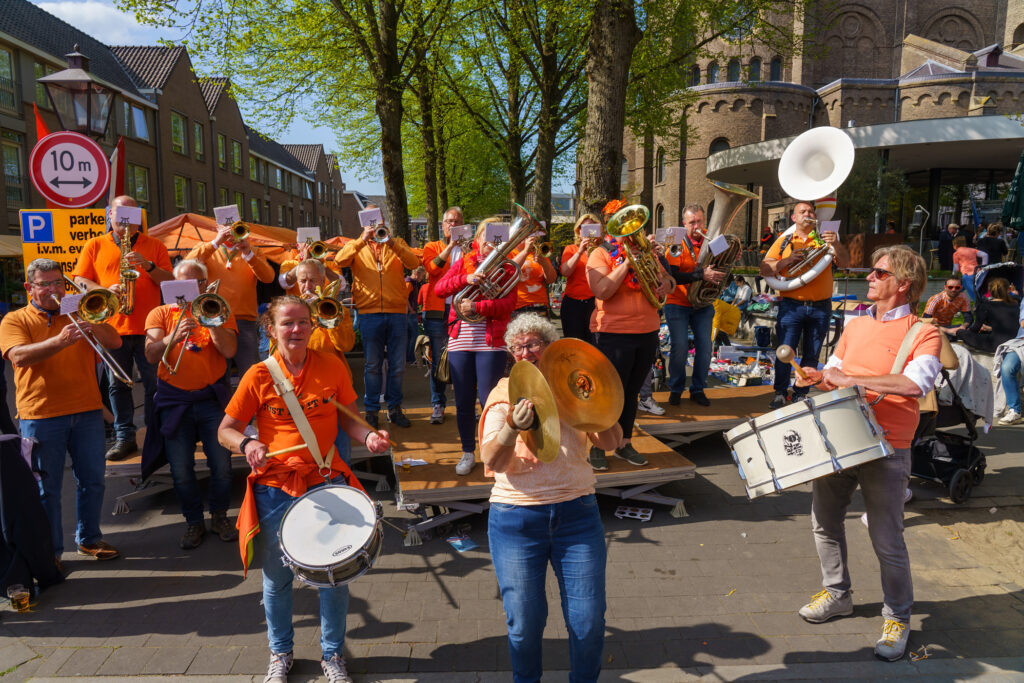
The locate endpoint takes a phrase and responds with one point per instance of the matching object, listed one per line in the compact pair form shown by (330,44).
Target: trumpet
(381,234)
(95,307)
(327,310)
(626,225)
(208,309)
(239,231)
(128,274)
(543,249)
(319,250)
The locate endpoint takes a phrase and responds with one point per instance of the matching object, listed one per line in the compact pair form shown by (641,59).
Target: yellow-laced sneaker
(824,606)
(893,642)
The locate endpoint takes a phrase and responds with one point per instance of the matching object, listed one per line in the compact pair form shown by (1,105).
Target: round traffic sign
(69,169)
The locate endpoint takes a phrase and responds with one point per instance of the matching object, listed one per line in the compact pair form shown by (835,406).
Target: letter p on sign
(36,226)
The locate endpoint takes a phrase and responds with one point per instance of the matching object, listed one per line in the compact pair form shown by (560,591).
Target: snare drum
(331,535)
(806,440)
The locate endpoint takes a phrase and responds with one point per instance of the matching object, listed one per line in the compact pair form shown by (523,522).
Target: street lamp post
(82,103)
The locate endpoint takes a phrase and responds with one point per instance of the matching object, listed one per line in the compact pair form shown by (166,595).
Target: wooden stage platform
(688,421)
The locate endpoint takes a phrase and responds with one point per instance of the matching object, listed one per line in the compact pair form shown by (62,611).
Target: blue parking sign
(36,226)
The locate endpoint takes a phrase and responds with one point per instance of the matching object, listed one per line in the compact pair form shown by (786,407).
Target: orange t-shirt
(680,296)
(532,289)
(869,347)
(818,289)
(322,378)
(238,283)
(335,341)
(201,364)
(627,311)
(967,259)
(100,261)
(63,384)
(576,285)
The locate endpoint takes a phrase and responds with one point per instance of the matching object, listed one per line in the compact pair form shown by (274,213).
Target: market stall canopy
(181,233)
(10,246)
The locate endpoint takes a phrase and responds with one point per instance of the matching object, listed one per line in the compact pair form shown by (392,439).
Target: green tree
(871,186)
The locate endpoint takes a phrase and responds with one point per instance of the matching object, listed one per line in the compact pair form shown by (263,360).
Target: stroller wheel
(978,472)
(960,486)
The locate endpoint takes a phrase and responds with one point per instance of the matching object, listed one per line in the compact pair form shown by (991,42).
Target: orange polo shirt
(100,261)
(63,384)
(817,289)
(627,311)
(431,250)
(576,285)
(201,364)
(237,283)
(869,347)
(532,289)
(687,263)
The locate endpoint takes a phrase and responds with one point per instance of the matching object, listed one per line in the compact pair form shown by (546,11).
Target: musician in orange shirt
(578,300)
(99,265)
(189,405)
(537,274)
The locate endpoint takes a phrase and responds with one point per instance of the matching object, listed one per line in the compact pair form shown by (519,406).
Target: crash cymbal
(526,381)
(585,384)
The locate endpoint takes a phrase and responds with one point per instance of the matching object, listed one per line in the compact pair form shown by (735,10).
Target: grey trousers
(883,483)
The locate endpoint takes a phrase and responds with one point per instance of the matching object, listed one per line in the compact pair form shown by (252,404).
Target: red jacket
(496,311)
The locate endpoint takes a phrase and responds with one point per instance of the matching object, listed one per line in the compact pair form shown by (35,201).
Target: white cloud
(101,20)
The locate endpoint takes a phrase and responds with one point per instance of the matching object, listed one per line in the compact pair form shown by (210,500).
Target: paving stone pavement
(712,596)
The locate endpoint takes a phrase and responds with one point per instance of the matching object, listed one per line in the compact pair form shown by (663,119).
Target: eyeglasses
(44,284)
(953,289)
(881,273)
(532,346)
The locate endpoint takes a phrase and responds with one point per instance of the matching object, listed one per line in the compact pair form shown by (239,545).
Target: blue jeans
(271,504)
(968,283)
(343,444)
(474,374)
(1009,371)
(383,333)
(248,352)
(680,319)
(437,332)
(807,319)
(412,332)
(122,403)
(199,423)
(81,435)
(523,540)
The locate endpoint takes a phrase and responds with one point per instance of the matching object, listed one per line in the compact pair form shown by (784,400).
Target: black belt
(811,303)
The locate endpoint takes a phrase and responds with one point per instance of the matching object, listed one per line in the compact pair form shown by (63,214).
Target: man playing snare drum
(864,357)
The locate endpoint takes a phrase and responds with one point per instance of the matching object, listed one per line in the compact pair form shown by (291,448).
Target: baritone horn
(95,307)
(208,309)
(627,226)
(729,199)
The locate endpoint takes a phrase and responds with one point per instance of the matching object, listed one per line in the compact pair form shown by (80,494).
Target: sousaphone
(544,438)
(585,385)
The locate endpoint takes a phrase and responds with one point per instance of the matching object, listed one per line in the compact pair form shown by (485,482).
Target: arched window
(694,75)
(659,173)
(659,217)
(733,71)
(718,145)
(754,70)
(713,72)
(775,71)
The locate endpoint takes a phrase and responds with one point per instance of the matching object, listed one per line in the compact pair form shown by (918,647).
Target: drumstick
(358,418)
(297,447)
(785,353)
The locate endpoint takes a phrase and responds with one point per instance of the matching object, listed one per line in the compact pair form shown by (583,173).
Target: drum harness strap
(286,391)
(901,355)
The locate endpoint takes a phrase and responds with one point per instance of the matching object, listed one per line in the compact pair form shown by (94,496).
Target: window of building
(278,178)
(718,145)
(694,75)
(179,143)
(222,196)
(14,169)
(254,172)
(309,189)
(732,73)
(201,197)
(659,172)
(197,140)
(222,152)
(8,92)
(181,193)
(659,217)
(136,121)
(754,69)
(280,215)
(775,69)
(136,182)
(236,157)
(38,71)
(713,72)
(240,203)
(254,209)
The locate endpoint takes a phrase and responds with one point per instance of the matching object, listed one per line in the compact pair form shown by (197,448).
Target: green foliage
(561,235)
(869,183)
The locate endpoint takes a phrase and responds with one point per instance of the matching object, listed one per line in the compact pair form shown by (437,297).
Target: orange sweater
(238,283)
(378,279)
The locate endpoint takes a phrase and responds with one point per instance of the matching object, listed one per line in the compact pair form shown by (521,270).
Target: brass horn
(239,231)
(96,306)
(626,225)
(209,310)
(729,199)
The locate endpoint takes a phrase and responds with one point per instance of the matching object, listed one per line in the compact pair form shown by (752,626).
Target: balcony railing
(15,186)
(8,100)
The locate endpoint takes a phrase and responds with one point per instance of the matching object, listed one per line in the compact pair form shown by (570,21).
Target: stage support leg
(642,492)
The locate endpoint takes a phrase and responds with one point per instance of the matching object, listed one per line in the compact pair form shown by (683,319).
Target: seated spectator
(743,293)
(995,321)
(941,307)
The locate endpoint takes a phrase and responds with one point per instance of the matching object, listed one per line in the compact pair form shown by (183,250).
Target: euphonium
(128,274)
(729,199)
(626,225)
(499,275)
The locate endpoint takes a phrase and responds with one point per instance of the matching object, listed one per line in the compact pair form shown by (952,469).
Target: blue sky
(103,21)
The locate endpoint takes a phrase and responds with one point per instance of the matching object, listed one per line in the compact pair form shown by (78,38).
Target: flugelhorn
(627,226)
(128,275)
(208,309)
(96,306)
(729,199)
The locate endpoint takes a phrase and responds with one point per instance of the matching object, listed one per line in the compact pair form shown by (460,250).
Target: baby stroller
(944,457)
(1013,272)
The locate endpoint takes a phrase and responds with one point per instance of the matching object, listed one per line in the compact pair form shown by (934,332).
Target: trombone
(95,306)
(208,309)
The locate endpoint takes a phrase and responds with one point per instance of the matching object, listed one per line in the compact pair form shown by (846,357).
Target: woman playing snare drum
(275,483)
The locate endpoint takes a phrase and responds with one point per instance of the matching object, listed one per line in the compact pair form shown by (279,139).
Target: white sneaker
(1011,417)
(651,406)
(893,643)
(334,670)
(280,665)
(465,465)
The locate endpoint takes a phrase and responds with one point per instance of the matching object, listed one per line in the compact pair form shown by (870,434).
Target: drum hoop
(378,533)
(280,540)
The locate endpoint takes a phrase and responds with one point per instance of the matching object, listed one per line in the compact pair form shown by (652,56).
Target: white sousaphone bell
(813,166)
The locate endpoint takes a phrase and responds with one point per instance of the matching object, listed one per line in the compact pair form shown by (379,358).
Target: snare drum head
(327,525)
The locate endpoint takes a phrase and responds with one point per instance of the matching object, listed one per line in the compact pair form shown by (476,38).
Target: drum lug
(870,419)
(378,508)
(330,575)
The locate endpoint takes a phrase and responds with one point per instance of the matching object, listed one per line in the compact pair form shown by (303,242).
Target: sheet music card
(462,232)
(69,304)
(591,230)
(830,226)
(718,245)
(226,215)
(496,232)
(371,217)
(674,235)
(131,214)
(172,289)
(303,235)
(660,235)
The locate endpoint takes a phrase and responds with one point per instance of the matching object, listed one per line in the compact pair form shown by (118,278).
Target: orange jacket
(378,278)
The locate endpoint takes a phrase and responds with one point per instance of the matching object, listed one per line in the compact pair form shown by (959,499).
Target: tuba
(627,226)
(813,166)
(128,275)
(499,275)
(729,199)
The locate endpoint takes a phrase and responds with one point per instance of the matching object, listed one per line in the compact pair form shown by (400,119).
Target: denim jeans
(523,540)
(343,444)
(199,423)
(248,352)
(1009,371)
(968,285)
(384,336)
(437,332)
(271,504)
(412,332)
(807,319)
(680,320)
(81,435)
(882,483)
(122,403)
(474,374)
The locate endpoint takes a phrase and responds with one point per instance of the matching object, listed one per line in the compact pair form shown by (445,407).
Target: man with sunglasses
(941,307)
(865,357)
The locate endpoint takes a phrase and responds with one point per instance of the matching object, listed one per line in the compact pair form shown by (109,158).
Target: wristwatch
(152,265)
(245,442)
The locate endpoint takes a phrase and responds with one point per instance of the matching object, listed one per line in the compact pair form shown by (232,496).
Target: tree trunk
(388,106)
(441,148)
(425,95)
(547,129)
(613,36)
(514,144)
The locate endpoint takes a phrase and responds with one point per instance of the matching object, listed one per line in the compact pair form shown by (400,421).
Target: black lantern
(82,103)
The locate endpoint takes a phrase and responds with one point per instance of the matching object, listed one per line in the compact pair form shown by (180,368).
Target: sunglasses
(881,273)
(954,289)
